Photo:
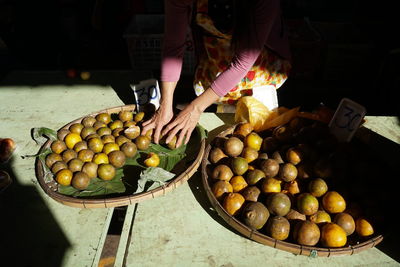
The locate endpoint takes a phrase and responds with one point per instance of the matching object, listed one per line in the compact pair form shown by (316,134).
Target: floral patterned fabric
(269,69)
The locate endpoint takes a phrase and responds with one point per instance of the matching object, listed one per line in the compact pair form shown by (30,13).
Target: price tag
(347,119)
(146,92)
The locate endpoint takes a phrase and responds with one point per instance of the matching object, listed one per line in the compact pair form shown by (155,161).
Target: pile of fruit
(97,146)
(283,182)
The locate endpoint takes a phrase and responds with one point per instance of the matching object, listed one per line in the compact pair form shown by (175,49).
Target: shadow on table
(30,235)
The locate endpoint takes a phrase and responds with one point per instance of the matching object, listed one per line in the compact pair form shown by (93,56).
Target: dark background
(342,48)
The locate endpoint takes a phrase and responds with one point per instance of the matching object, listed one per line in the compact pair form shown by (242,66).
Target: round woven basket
(269,241)
(51,187)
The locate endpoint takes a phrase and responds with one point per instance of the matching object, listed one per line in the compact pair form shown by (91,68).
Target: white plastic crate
(144,41)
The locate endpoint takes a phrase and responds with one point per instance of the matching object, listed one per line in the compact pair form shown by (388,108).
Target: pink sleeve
(177,15)
(248,50)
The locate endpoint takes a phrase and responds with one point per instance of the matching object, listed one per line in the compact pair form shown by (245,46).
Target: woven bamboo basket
(311,251)
(50,188)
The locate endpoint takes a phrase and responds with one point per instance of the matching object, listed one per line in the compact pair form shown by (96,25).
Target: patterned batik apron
(268,70)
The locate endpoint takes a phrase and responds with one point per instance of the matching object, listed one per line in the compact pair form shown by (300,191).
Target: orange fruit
(116,124)
(86,155)
(271,185)
(138,116)
(100,158)
(238,183)
(220,188)
(333,202)
(253,140)
(243,129)
(125,115)
(110,147)
(363,227)
(71,139)
(64,177)
(233,202)
(333,236)
(153,160)
(320,217)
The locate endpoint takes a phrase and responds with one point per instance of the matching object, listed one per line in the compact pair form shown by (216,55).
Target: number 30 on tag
(347,119)
(146,92)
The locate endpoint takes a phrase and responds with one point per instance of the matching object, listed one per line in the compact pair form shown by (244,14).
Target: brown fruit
(129,149)
(306,233)
(255,215)
(59,165)
(86,131)
(278,227)
(142,142)
(117,158)
(345,221)
(125,115)
(216,154)
(138,116)
(270,167)
(317,187)
(75,165)
(251,193)
(80,146)
(90,168)
(99,124)
(282,133)
(294,215)
(249,154)
(254,176)
(61,134)
(239,165)
(307,204)
(233,146)
(222,172)
(333,202)
(116,124)
(120,140)
(86,155)
(108,139)
(88,121)
(103,117)
(76,128)
(52,158)
(95,144)
(278,204)
(271,185)
(287,172)
(233,202)
(104,131)
(117,132)
(278,157)
(333,236)
(221,188)
(106,171)
(80,180)
(58,146)
(69,154)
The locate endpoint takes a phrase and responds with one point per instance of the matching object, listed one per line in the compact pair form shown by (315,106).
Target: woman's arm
(248,50)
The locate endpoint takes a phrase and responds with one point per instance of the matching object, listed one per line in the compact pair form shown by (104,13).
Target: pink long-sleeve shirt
(268,32)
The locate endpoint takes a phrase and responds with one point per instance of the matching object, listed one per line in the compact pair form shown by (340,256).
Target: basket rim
(119,200)
(266,240)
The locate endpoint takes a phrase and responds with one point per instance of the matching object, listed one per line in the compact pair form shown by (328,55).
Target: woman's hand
(188,118)
(184,123)
(161,118)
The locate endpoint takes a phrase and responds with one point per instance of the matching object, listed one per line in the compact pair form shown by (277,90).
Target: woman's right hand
(162,117)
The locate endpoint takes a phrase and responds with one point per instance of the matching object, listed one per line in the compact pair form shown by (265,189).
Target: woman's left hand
(184,123)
